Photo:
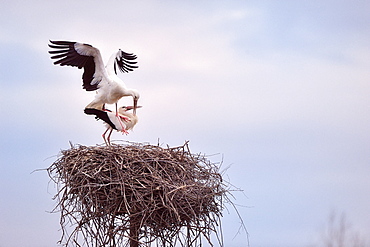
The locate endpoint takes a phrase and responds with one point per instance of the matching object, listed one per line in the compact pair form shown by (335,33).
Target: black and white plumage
(128,119)
(110,88)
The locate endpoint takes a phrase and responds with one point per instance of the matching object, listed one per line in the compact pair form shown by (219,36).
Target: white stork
(112,122)
(110,88)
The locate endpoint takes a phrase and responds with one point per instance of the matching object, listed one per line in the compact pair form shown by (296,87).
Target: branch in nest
(167,194)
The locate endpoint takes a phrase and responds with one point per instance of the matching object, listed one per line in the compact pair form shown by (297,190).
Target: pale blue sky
(279,88)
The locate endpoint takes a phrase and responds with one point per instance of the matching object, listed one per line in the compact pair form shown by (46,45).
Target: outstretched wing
(82,56)
(125,62)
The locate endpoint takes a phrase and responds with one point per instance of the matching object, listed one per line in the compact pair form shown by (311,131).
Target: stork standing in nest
(110,88)
(111,121)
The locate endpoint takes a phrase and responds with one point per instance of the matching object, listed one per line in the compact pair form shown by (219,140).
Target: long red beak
(135,106)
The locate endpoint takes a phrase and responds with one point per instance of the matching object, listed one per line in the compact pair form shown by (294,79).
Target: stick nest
(137,194)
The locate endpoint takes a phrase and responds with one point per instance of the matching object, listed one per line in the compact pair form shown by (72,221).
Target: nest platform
(138,195)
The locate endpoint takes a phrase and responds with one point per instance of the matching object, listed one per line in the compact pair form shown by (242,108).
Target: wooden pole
(134,232)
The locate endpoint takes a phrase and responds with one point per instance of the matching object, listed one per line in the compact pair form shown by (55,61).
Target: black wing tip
(100,114)
(61,42)
(125,62)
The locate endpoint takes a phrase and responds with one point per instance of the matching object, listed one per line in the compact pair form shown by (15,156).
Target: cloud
(281,89)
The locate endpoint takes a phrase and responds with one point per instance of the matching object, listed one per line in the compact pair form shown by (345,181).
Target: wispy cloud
(281,88)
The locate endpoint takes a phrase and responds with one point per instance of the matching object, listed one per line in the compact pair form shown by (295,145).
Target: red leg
(119,118)
(105,140)
(108,138)
(124,131)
